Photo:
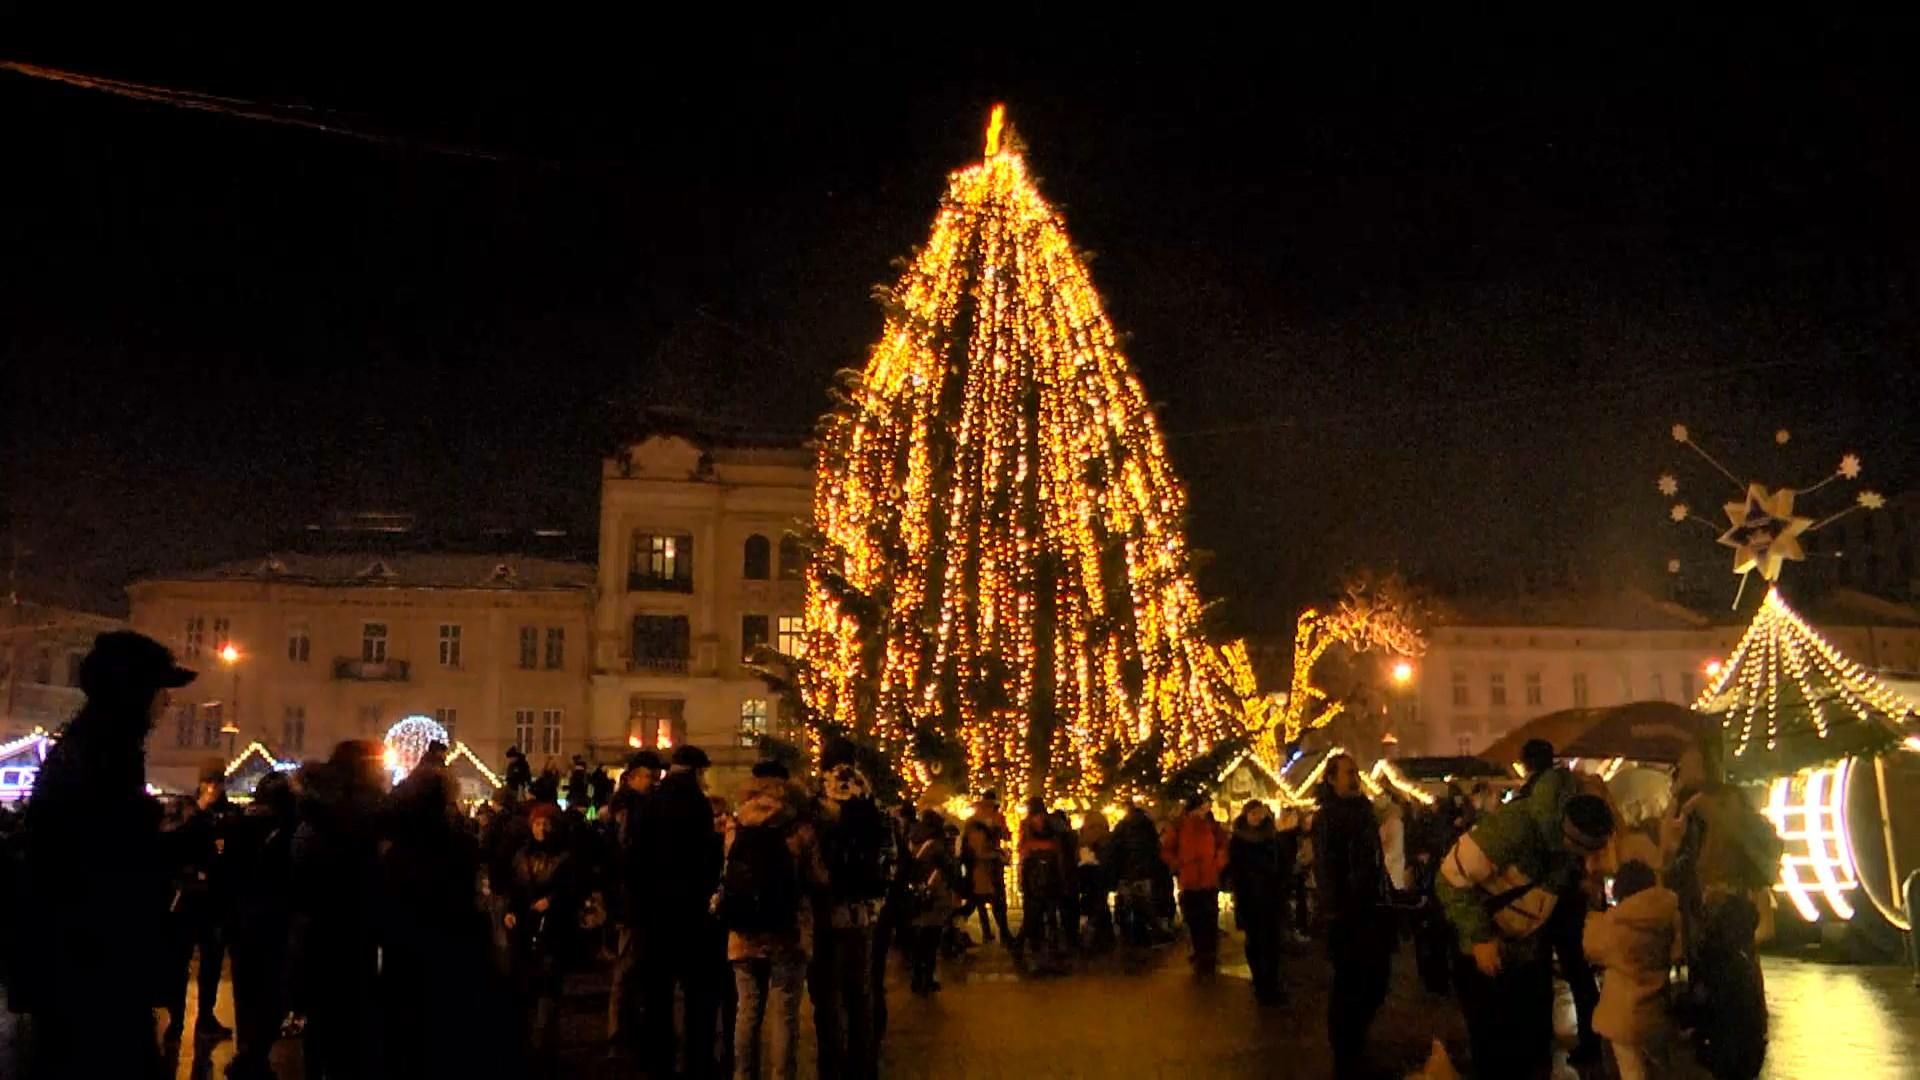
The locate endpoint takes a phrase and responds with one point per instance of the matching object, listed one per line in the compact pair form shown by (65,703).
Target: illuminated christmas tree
(1000,571)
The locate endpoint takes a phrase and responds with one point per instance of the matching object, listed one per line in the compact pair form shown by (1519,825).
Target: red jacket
(1196,849)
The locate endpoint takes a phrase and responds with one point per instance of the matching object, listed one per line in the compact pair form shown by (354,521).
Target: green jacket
(1521,843)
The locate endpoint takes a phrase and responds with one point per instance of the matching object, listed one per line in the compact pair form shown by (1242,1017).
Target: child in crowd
(1635,942)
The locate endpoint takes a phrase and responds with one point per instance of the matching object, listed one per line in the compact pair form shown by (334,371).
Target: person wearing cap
(1499,886)
(543,900)
(98,886)
(682,853)
(625,815)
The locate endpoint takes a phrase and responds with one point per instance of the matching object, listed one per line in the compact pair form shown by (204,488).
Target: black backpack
(760,885)
(858,852)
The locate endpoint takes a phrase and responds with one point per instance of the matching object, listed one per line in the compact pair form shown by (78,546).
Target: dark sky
(1429,298)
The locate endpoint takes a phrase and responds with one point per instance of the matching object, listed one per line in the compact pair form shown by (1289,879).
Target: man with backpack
(772,866)
(857,845)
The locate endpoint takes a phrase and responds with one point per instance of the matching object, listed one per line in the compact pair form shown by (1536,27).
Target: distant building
(41,647)
(701,564)
(331,647)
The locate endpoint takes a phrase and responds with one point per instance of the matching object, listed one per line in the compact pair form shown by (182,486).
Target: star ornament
(1669,485)
(1764,533)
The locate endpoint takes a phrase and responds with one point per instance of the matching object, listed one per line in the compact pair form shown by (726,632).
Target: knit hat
(690,757)
(644,759)
(1587,822)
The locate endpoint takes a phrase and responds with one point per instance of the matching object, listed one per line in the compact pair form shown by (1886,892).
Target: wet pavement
(1154,1019)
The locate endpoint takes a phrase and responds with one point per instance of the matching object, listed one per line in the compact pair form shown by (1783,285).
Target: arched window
(758,563)
(793,558)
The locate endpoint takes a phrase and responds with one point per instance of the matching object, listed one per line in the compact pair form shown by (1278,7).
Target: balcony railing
(359,670)
(658,665)
(637,582)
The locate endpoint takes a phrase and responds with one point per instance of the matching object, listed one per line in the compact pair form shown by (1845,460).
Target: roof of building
(1851,607)
(1622,609)
(500,571)
(713,433)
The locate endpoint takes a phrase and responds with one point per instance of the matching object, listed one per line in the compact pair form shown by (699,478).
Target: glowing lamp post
(1402,673)
(230,656)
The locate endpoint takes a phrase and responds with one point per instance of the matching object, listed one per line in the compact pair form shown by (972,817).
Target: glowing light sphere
(230,655)
(407,742)
(1402,673)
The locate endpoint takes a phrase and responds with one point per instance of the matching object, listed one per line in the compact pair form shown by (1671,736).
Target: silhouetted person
(632,885)
(336,868)
(97,886)
(519,775)
(682,854)
(262,848)
(1351,876)
(202,907)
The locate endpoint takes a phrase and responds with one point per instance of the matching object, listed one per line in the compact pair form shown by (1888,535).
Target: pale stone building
(332,647)
(41,647)
(701,563)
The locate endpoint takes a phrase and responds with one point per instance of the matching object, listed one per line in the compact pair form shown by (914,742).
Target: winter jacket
(1196,849)
(680,851)
(772,803)
(928,872)
(1636,942)
(846,804)
(1515,850)
(544,871)
(1134,851)
(981,858)
(1349,870)
(1255,870)
(1042,862)
(1732,848)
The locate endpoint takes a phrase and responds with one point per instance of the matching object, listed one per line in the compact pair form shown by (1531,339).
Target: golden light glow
(994,124)
(633,741)
(1402,673)
(230,655)
(1001,558)
(1713,668)
(1809,811)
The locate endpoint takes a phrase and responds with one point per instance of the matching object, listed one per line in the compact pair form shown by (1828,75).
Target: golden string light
(1001,558)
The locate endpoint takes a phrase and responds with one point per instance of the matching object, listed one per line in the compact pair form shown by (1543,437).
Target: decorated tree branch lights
(1000,558)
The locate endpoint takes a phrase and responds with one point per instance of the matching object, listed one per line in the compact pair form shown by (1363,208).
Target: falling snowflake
(1872,500)
(1850,466)
(1782,436)
(1679,433)
(1669,485)
(1679,512)
(1673,566)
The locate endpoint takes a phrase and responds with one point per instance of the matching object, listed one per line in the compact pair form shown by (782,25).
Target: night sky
(1428,299)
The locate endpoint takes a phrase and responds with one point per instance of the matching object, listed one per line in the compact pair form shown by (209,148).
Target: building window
(1462,696)
(1580,690)
(210,723)
(1536,694)
(793,558)
(661,562)
(373,642)
(1464,745)
(756,563)
(450,645)
(650,718)
(196,635)
(753,721)
(1497,688)
(792,639)
(222,635)
(556,647)
(1659,687)
(184,725)
(293,729)
(523,729)
(43,666)
(370,720)
(529,647)
(550,730)
(753,634)
(661,643)
(448,719)
(1687,690)
(74,661)
(299,643)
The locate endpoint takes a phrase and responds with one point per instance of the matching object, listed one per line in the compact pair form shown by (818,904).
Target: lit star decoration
(1000,559)
(1764,532)
(1669,485)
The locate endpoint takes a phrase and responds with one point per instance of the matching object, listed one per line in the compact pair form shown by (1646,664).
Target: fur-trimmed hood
(843,783)
(767,800)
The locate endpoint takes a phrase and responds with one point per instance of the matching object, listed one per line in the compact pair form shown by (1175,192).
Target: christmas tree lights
(1000,560)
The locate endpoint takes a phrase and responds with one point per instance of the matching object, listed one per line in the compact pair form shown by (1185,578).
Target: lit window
(1461,694)
(373,642)
(1497,688)
(661,561)
(299,643)
(1536,694)
(449,645)
(556,647)
(792,638)
(523,729)
(529,647)
(753,721)
(649,718)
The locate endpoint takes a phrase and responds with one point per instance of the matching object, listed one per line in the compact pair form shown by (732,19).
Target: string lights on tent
(1000,558)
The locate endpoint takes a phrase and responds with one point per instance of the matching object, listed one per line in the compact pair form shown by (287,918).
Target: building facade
(299,652)
(41,647)
(701,566)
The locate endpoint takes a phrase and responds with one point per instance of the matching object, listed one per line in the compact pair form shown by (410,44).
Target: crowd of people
(379,924)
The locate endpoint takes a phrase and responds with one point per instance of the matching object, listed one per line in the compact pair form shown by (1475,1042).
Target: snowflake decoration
(1669,485)
(1780,437)
(1679,512)
(1679,433)
(1872,500)
(1850,466)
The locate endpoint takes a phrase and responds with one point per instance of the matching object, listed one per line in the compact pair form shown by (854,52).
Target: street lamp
(230,656)
(1402,673)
